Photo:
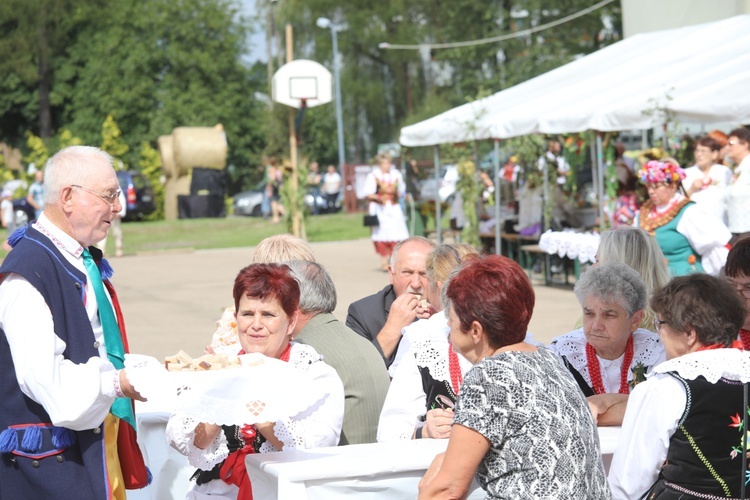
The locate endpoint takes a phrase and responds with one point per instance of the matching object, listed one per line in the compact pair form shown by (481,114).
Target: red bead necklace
(455,370)
(745,338)
(595,370)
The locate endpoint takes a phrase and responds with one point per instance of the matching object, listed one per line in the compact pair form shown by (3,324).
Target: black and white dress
(544,442)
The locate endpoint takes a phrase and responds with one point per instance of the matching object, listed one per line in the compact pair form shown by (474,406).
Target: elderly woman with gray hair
(610,354)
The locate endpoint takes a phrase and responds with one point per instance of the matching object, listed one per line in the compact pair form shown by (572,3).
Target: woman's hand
(608,409)
(432,471)
(205,434)
(266,428)
(438,424)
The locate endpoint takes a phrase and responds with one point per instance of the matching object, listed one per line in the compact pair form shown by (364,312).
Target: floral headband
(656,171)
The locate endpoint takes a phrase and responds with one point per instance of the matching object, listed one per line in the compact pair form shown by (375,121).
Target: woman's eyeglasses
(658,323)
(743,288)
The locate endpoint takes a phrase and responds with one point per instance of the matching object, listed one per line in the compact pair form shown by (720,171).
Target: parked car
(447,186)
(139,194)
(321,201)
(23,211)
(249,202)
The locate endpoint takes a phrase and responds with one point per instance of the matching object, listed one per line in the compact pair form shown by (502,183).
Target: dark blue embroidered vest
(62,464)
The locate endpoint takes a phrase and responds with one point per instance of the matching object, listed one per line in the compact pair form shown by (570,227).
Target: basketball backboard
(302,80)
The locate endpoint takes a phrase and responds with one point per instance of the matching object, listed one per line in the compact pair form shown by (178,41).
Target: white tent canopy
(698,73)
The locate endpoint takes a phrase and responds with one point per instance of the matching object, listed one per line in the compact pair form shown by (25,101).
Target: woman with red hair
(521,423)
(266,298)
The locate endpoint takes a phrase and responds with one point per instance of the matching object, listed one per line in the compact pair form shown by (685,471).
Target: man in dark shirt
(381,317)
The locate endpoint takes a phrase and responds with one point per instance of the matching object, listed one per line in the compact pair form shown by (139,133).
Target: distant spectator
(331,188)
(722,139)
(738,195)
(706,182)
(7,214)
(314,180)
(36,194)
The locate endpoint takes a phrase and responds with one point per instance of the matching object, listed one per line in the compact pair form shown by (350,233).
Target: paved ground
(172,300)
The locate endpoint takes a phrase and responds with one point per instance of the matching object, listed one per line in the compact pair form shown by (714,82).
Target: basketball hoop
(302,84)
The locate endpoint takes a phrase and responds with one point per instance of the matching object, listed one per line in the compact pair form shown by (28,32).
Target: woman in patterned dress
(521,424)
(610,353)
(692,240)
(266,298)
(682,433)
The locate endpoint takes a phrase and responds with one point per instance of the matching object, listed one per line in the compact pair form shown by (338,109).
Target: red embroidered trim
(455,370)
(745,338)
(734,345)
(595,370)
(284,355)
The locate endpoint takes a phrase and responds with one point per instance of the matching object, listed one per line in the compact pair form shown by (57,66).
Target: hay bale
(166,151)
(204,147)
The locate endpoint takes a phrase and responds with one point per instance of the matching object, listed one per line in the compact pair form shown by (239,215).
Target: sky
(257,41)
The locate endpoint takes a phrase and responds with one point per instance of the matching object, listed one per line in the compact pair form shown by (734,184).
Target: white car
(447,188)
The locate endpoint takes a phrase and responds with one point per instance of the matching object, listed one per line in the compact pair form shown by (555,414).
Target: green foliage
(471,189)
(38,153)
(113,143)
(150,165)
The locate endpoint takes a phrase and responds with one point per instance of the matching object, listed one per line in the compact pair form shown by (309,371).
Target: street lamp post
(325,23)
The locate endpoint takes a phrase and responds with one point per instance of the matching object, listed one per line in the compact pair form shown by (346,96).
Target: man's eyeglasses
(110,199)
(658,323)
(743,288)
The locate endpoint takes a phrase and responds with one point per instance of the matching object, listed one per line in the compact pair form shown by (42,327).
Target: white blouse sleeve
(76,396)
(653,412)
(320,425)
(404,403)
(181,436)
(707,235)
(371,186)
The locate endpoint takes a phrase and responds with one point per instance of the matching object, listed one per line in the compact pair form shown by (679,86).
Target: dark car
(139,194)
(23,211)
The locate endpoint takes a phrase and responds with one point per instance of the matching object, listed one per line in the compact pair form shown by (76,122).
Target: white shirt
(738,198)
(313,428)
(406,399)
(712,197)
(331,183)
(653,413)
(647,350)
(76,396)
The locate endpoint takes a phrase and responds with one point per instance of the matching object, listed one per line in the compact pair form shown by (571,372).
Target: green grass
(232,231)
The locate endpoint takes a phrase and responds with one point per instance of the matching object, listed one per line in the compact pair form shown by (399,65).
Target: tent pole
(498,183)
(600,177)
(438,210)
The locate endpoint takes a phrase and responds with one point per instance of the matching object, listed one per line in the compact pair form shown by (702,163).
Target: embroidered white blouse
(654,410)
(647,350)
(314,428)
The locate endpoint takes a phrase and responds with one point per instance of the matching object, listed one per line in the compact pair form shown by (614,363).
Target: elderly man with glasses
(738,195)
(67,429)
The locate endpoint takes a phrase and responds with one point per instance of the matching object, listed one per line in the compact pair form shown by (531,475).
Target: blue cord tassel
(149,476)
(105,269)
(8,441)
(17,235)
(32,439)
(62,437)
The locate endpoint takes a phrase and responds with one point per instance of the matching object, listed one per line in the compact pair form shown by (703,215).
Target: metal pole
(498,184)
(438,210)
(339,117)
(600,174)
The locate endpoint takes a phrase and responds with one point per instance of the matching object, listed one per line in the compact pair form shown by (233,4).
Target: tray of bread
(223,389)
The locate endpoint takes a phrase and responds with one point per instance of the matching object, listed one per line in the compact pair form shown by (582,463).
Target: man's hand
(424,309)
(127,388)
(438,424)
(403,311)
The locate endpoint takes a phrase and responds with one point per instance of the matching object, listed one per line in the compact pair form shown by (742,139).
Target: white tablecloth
(371,471)
(571,244)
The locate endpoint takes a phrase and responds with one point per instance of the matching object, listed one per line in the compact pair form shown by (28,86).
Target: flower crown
(656,171)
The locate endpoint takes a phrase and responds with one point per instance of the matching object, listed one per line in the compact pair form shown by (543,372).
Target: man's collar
(62,240)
